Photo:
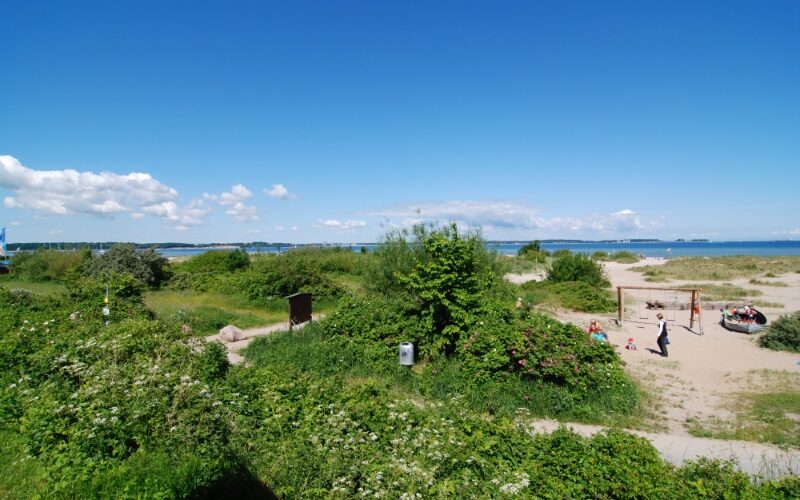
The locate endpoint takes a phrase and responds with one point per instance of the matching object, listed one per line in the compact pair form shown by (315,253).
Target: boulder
(230,334)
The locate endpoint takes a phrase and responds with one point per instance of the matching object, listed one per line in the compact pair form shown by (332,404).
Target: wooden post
(619,305)
(691,308)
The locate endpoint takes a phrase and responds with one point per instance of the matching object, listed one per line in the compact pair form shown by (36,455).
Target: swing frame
(694,304)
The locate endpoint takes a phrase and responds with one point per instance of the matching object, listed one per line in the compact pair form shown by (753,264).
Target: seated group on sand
(746,313)
(597,333)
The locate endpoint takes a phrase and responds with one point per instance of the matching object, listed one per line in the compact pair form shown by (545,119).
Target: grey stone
(230,334)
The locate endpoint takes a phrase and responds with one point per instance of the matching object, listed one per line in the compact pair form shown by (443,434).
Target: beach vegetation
(783,334)
(577,267)
(43,265)
(572,295)
(725,292)
(11,282)
(719,268)
(533,251)
(148,267)
(759,282)
(765,411)
(128,405)
(621,256)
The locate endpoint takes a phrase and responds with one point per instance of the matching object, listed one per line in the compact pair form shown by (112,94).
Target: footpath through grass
(206,313)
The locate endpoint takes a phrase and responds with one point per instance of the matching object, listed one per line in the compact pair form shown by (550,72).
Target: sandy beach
(700,382)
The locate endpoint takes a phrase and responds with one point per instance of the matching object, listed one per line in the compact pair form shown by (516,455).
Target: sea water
(664,249)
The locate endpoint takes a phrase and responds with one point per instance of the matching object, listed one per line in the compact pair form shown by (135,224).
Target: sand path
(251,333)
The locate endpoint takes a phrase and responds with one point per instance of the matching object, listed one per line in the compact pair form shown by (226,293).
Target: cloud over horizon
(348,225)
(68,192)
(233,200)
(504,216)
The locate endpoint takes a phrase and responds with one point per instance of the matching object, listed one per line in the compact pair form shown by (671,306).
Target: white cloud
(15,223)
(66,192)
(508,216)
(137,215)
(234,201)
(280,192)
(348,225)
(180,218)
(240,212)
(10,202)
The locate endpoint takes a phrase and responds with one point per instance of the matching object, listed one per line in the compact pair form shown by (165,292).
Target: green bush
(533,251)
(148,267)
(443,274)
(214,262)
(574,295)
(783,334)
(577,267)
(48,265)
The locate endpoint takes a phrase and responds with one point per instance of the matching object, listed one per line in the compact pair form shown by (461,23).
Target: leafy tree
(577,267)
(533,251)
(532,246)
(444,273)
(148,267)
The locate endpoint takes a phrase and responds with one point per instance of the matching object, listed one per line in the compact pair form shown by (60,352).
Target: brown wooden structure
(299,308)
(694,303)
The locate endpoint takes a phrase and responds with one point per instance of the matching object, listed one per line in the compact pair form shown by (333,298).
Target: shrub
(48,265)
(444,274)
(148,267)
(624,257)
(215,262)
(533,251)
(783,334)
(577,267)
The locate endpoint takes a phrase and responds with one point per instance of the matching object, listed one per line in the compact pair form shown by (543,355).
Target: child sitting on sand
(631,345)
(596,332)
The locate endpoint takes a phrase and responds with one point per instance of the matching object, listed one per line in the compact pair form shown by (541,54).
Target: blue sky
(202,121)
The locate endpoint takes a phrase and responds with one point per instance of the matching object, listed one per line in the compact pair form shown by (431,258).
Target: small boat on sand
(753,322)
(747,327)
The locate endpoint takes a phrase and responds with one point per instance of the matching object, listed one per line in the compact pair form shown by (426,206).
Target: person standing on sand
(663,340)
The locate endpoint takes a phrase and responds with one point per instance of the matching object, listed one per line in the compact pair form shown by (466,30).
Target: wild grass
(768,412)
(725,291)
(206,313)
(39,288)
(309,350)
(755,281)
(21,476)
(519,265)
(719,268)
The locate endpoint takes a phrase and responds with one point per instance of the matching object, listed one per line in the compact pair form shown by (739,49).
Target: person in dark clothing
(663,340)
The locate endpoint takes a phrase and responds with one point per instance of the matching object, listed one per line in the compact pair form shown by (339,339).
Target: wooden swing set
(644,312)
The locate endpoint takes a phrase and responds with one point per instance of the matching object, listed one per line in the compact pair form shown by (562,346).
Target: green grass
(309,350)
(772,417)
(725,291)
(206,313)
(40,288)
(755,281)
(767,412)
(521,265)
(21,476)
(719,268)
